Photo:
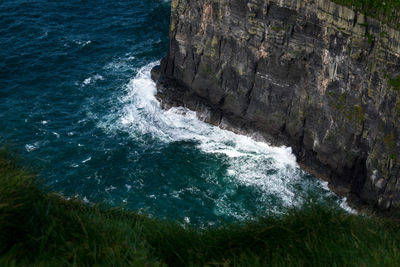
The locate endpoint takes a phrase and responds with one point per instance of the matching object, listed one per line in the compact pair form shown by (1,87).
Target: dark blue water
(76,99)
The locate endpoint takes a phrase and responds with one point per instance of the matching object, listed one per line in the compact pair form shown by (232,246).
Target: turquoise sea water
(76,99)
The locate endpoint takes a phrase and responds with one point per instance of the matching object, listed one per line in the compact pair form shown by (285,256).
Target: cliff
(306,73)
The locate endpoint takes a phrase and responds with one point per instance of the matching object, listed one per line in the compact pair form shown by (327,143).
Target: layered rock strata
(306,73)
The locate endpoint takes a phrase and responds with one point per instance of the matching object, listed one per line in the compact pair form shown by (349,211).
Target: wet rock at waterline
(310,74)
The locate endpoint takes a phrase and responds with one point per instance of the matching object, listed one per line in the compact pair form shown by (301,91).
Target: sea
(77,103)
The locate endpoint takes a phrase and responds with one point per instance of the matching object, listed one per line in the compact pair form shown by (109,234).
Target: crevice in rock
(311,46)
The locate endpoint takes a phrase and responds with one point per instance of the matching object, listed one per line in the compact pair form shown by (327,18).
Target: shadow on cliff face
(315,77)
(205,173)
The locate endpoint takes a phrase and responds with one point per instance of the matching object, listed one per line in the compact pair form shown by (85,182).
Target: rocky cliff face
(306,73)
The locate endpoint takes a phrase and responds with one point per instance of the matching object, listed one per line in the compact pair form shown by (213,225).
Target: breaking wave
(271,171)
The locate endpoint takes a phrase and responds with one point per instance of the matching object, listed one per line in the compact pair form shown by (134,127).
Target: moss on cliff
(387,11)
(395,83)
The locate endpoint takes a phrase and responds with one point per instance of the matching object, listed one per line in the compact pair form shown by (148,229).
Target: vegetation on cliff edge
(387,11)
(43,229)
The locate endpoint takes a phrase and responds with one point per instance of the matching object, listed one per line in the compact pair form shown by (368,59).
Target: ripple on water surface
(77,99)
(207,167)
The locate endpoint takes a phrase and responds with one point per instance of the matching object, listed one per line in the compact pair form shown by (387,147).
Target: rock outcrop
(306,73)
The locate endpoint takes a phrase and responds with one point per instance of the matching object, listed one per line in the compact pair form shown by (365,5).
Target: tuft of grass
(43,229)
(39,228)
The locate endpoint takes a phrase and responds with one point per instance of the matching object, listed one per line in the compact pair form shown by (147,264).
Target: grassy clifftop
(387,11)
(43,229)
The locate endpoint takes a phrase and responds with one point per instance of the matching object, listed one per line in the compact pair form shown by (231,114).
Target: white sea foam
(32,147)
(110,188)
(86,160)
(82,43)
(273,170)
(92,79)
(57,135)
(128,187)
(120,65)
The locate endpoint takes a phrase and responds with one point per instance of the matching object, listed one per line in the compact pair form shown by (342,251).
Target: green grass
(43,229)
(387,11)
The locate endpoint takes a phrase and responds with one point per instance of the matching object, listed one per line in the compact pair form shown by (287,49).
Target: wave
(272,170)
